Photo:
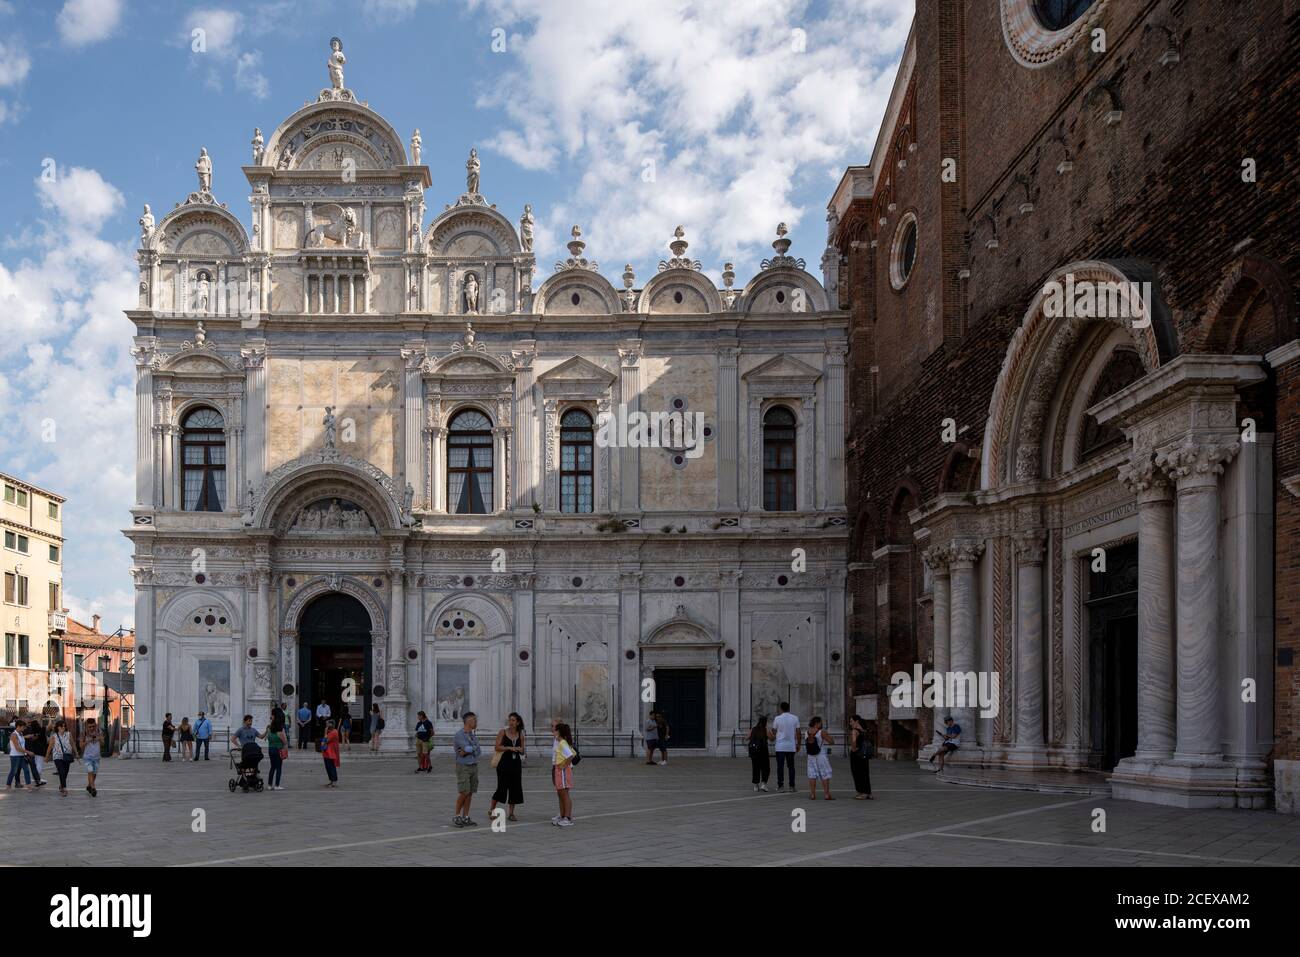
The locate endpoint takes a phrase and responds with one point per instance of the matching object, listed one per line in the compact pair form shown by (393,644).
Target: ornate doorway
(1113,636)
(334,659)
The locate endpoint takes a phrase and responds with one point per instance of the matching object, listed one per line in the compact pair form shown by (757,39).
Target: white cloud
(82,22)
(66,362)
(219,34)
(712,114)
(14,63)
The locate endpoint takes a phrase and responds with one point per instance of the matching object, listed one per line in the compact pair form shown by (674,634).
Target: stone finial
(576,245)
(728,275)
(629,277)
(781,244)
(679,245)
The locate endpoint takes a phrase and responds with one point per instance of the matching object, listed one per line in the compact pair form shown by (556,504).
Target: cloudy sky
(726,117)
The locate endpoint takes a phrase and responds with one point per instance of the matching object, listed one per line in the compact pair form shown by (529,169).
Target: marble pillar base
(1028,757)
(1286,787)
(397,741)
(1191,785)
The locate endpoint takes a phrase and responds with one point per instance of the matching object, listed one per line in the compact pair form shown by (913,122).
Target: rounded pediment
(319,488)
(680,292)
(324,136)
(783,289)
(577,292)
(471,231)
(330,513)
(201,230)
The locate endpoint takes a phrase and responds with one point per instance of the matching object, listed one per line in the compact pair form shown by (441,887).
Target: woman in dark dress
(759,762)
(510,766)
(860,758)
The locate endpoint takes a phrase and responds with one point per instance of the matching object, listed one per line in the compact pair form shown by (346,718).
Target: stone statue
(469,335)
(471,172)
(286,157)
(330,434)
(526,228)
(336,63)
(333,516)
(408,497)
(415,147)
(203,166)
(200,336)
(471,297)
(257,144)
(146,224)
(201,298)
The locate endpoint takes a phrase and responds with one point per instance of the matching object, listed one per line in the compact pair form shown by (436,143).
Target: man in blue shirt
(467,752)
(304,725)
(202,737)
(951,741)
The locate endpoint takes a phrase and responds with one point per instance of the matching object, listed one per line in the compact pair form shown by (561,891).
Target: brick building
(1071,272)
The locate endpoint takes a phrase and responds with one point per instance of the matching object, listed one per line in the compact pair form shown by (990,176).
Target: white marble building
(367,448)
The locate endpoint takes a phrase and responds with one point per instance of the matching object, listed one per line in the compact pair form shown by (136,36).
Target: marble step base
(1175,784)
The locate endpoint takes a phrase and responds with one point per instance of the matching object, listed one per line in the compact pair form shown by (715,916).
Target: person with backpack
(376,727)
(817,745)
(277,749)
(202,737)
(759,762)
(860,750)
(62,752)
(424,743)
(563,757)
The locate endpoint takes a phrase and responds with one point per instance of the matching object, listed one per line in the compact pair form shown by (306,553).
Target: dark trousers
(62,765)
(332,770)
(761,765)
(861,769)
(167,749)
(784,758)
(31,761)
(304,735)
(201,747)
(277,763)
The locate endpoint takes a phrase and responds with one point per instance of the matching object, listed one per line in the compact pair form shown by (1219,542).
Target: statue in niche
(471,297)
(336,63)
(415,147)
(146,224)
(203,166)
(258,142)
(202,294)
(330,432)
(526,228)
(472,172)
(333,516)
(408,496)
(286,157)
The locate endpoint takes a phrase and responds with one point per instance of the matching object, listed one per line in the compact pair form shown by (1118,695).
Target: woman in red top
(330,752)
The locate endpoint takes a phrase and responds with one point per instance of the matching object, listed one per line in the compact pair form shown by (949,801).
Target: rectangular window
(11,587)
(17,543)
(20,589)
(54,553)
(11,650)
(54,510)
(24,648)
(105,662)
(56,653)
(24,545)
(11,494)
(22,499)
(54,596)
(78,676)
(11,540)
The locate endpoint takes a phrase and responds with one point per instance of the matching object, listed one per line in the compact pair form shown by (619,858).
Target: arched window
(575,462)
(1059,14)
(469,464)
(778,460)
(203,452)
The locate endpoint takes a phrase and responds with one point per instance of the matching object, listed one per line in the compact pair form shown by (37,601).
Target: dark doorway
(680,693)
(334,659)
(1113,637)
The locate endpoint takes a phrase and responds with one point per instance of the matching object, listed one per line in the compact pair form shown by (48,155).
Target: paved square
(696,811)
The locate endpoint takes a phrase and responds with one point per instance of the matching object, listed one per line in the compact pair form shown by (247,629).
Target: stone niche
(364,393)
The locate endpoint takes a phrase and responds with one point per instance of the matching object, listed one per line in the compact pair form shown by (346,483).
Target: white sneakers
(762,787)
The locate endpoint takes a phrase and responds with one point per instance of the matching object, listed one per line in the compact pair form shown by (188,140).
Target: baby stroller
(244,763)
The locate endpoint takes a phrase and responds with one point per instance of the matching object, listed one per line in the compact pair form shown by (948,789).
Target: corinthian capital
(1030,546)
(967,550)
(1197,460)
(1141,473)
(936,557)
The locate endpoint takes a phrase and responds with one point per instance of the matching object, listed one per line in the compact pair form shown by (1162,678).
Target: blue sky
(628,118)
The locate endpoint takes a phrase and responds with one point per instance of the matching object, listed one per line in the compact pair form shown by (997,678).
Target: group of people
(195,739)
(32,743)
(325,721)
(788,737)
(656,737)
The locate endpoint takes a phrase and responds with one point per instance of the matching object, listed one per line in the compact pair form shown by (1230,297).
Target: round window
(1059,14)
(575,299)
(1038,32)
(902,255)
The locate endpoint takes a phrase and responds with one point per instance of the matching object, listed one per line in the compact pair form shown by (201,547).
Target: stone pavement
(696,811)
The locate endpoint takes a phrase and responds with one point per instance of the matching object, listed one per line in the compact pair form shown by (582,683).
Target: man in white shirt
(322,717)
(785,732)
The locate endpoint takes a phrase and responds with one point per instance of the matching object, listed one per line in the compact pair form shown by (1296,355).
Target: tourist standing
(330,752)
(90,755)
(509,760)
(322,717)
(245,733)
(423,743)
(345,727)
(37,742)
(651,737)
(168,735)
(785,733)
(304,726)
(277,749)
(819,758)
(563,756)
(860,758)
(467,752)
(376,727)
(187,739)
(62,752)
(664,732)
(18,757)
(759,762)
(202,737)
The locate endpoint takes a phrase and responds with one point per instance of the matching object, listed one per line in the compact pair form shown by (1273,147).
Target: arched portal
(334,659)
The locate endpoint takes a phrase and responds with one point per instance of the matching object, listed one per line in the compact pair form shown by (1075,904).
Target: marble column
(630,397)
(1155,652)
(523,650)
(413,417)
(835,425)
(729,633)
(145,714)
(728,430)
(629,671)
(145,463)
(937,557)
(525,458)
(1029,643)
(965,556)
(1195,467)
(254,360)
